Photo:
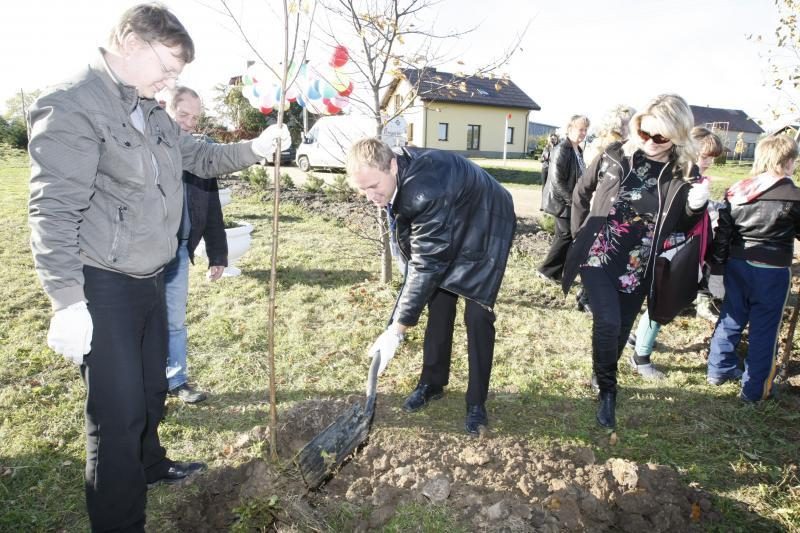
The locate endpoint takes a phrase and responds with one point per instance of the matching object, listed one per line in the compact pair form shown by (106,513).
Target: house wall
(423,125)
(414,114)
(492,128)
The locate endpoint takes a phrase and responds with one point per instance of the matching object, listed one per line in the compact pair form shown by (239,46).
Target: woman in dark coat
(640,198)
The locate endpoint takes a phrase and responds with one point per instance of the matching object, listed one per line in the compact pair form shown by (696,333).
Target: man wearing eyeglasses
(106,199)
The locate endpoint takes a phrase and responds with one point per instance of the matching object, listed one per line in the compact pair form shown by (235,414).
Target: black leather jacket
(205,214)
(562,175)
(597,190)
(762,230)
(454,225)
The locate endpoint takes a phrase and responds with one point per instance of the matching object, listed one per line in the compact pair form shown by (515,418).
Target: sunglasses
(657,138)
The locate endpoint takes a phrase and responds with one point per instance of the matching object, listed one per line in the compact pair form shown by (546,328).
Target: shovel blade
(328,450)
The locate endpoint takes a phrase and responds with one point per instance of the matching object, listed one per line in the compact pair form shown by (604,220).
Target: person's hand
(214,272)
(386,345)
(716,286)
(698,195)
(71,331)
(265,143)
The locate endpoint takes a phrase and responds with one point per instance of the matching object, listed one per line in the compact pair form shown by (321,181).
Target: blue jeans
(176,282)
(756,295)
(646,333)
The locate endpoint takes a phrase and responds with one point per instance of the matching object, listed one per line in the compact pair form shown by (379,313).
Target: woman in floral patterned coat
(641,199)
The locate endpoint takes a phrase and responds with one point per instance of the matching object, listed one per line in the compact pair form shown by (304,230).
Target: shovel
(328,450)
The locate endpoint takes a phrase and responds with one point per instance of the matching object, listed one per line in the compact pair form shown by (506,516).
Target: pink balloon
(339,57)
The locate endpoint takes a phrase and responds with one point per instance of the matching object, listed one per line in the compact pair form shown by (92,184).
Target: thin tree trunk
(386,249)
(273,271)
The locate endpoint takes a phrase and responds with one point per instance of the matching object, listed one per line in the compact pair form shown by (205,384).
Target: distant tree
(783,57)
(14,133)
(14,105)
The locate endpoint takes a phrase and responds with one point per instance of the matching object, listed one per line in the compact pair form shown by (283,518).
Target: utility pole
(25,114)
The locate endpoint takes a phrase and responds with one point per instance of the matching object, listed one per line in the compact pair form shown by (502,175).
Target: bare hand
(215,272)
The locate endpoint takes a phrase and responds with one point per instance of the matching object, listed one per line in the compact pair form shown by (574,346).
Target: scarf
(749,189)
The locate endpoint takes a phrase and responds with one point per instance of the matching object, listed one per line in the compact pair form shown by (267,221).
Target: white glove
(387,345)
(265,143)
(698,195)
(71,331)
(716,286)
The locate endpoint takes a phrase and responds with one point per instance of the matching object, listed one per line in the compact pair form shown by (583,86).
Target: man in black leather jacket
(753,247)
(454,225)
(566,166)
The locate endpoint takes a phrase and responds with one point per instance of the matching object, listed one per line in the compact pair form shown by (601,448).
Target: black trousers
(613,314)
(438,345)
(553,264)
(125,378)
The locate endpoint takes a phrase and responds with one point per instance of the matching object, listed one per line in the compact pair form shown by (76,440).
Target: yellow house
(470,115)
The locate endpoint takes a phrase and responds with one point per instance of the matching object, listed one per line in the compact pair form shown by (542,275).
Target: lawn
(330,307)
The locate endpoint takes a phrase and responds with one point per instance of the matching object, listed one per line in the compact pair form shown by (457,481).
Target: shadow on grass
(282,219)
(42,492)
(312,276)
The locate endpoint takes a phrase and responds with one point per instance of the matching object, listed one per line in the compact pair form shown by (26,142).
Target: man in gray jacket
(106,199)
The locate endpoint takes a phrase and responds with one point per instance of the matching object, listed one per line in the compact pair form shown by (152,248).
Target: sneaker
(647,371)
(736,375)
(706,309)
(188,394)
(631,340)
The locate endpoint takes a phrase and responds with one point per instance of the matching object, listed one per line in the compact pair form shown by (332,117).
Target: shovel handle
(372,379)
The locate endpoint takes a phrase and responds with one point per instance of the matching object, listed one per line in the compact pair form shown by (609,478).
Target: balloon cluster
(323,91)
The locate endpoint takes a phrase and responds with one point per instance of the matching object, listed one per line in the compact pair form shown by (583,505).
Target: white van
(329,140)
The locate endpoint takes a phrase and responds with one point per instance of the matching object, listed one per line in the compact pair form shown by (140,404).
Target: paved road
(526,199)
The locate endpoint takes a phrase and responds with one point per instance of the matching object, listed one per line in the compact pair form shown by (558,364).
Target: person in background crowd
(708,146)
(201,219)
(105,203)
(753,247)
(552,141)
(612,128)
(641,197)
(453,225)
(566,166)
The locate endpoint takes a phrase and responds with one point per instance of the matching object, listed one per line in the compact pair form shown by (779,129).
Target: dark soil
(488,484)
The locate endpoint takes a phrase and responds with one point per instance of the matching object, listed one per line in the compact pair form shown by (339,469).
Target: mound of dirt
(490,483)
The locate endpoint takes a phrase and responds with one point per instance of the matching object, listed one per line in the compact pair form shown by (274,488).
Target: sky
(577,57)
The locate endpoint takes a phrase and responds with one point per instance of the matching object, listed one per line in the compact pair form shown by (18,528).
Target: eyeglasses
(168,72)
(657,138)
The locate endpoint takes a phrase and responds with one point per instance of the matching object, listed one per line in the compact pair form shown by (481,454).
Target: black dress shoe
(605,413)
(423,394)
(188,394)
(178,472)
(476,417)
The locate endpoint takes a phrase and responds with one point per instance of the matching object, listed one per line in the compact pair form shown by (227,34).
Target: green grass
(514,171)
(330,307)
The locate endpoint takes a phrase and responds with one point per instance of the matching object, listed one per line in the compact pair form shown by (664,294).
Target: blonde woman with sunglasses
(641,199)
